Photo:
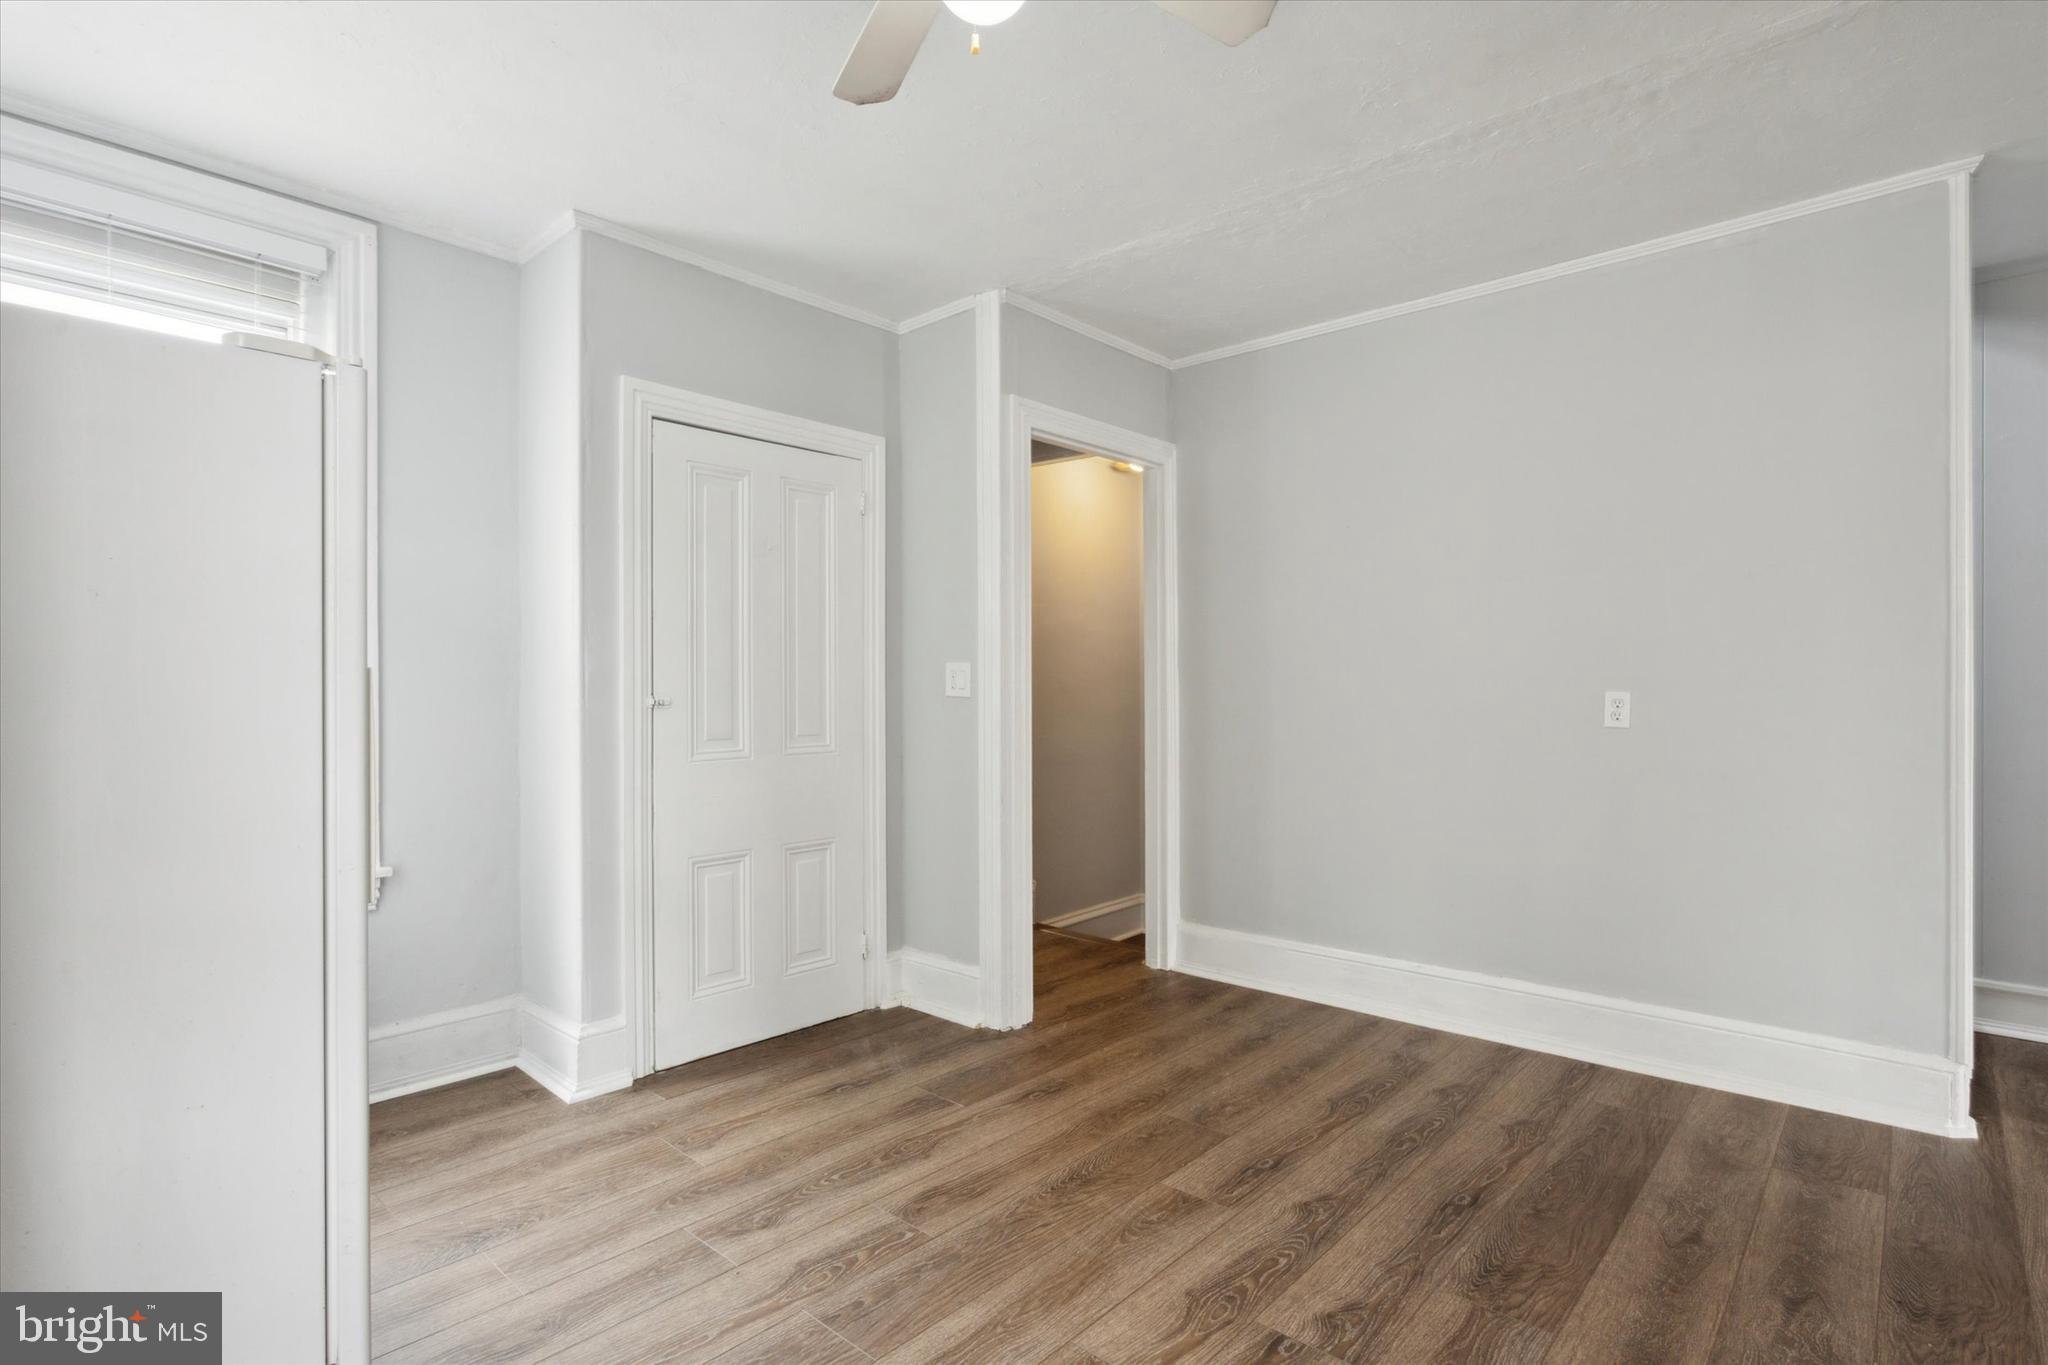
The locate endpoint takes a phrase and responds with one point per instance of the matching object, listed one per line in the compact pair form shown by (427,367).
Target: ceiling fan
(895,29)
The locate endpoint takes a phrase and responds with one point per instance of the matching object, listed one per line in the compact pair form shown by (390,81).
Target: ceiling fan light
(985,13)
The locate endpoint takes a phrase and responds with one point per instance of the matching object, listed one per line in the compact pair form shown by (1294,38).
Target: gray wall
(1415,554)
(933,831)
(1087,685)
(2012,832)
(1049,363)
(654,318)
(447,932)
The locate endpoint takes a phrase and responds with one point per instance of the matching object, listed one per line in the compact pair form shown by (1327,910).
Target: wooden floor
(1162,1168)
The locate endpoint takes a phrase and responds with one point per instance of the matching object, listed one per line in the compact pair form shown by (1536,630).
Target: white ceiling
(1099,156)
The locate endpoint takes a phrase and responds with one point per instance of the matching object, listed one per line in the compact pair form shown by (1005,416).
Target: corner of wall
(550,638)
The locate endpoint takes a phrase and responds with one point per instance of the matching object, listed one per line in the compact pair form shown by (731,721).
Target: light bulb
(985,13)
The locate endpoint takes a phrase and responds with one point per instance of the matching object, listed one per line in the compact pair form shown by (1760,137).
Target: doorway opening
(1087,694)
(1080,734)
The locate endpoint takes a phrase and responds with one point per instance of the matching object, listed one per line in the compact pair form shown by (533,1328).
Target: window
(102,231)
(68,261)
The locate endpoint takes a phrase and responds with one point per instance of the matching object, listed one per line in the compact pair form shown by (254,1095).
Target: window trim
(160,196)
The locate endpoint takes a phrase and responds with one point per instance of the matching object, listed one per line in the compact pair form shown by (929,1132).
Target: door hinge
(863,504)
(863,946)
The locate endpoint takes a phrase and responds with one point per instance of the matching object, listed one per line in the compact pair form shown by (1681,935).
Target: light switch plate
(959,680)
(1617,711)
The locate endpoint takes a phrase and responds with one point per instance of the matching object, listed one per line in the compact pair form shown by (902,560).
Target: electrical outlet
(1617,711)
(959,680)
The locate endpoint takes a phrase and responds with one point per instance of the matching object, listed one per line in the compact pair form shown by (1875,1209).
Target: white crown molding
(571,221)
(2012,1009)
(1093,333)
(938,314)
(1885,1085)
(2006,270)
(558,227)
(586,222)
(1857,194)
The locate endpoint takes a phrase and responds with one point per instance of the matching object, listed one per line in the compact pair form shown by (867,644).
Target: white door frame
(1005,667)
(642,403)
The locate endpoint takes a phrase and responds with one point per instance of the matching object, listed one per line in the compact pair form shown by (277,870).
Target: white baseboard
(1089,912)
(440,1049)
(2012,1010)
(936,985)
(575,1061)
(1921,1091)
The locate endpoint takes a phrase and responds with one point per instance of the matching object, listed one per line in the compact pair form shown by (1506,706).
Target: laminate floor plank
(538,1324)
(1262,1154)
(1657,1295)
(715,1084)
(715,1133)
(425,1304)
(1251,1343)
(2022,1148)
(547,1250)
(1331,1042)
(562,1153)
(1271,1242)
(751,1059)
(1650,1094)
(1364,1289)
(395,1121)
(1449,1329)
(448,1154)
(1050,1045)
(1057,957)
(1087,1276)
(1167,1168)
(874,1170)
(1953,1282)
(1838,1150)
(796,1337)
(713,1317)
(2019,1075)
(1530,1260)
(397,1254)
(1146,1075)
(1806,1292)
(976,1261)
(999,1123)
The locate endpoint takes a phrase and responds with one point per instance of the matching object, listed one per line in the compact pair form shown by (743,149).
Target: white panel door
(162,928)
(759,820)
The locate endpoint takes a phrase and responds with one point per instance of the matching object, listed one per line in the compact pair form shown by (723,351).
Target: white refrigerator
(162,932)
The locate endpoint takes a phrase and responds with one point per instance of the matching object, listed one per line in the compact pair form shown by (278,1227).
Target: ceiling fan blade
(1227,21)
(881,56)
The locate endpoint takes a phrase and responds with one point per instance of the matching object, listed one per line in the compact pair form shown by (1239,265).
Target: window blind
(88,258)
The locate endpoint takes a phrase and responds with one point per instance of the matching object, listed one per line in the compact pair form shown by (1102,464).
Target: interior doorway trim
(642,403)
(1005,668)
